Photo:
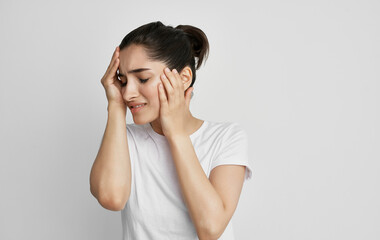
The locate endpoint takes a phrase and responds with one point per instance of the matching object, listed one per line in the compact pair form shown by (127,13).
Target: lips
(133,105)
(137,106)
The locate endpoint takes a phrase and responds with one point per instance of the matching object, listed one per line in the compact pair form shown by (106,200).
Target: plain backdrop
(302,77)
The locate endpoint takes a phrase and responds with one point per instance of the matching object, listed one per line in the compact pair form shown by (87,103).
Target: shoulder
(226,130)
(224,125)
(136,132)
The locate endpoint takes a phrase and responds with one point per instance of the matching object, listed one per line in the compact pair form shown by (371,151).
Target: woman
(172,175)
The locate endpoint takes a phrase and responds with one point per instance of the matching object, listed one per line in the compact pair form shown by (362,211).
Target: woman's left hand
(174,105)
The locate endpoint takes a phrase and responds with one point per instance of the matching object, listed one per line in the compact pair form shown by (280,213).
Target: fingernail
(167,69)
(175,71)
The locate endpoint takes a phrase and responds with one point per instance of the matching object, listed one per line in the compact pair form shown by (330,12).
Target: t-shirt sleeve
(132,156)
(130,139)
(132,152)
(234,150)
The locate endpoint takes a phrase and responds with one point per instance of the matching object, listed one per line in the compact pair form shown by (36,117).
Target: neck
(192,126)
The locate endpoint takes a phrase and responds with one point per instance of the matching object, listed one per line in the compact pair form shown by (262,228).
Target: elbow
(112,203)
(210,233)
(111,200)
(107,201)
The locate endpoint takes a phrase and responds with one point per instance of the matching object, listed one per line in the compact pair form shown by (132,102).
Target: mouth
(137,108)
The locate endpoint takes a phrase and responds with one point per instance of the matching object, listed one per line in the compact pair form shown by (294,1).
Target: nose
(131,91)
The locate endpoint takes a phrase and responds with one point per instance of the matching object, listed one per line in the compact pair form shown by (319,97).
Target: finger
(175,82)
(171,78)
(114,67)
(179,80)
(114,56)
(111,73)
(179,84)
(168,87)
(115,52)
(162,96)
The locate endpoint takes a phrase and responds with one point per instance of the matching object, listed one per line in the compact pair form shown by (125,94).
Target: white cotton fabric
(156,208)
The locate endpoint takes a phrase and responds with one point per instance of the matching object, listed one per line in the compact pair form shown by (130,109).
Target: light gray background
(302,77)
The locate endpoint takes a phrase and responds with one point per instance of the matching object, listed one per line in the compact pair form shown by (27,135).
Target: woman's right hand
(111,83)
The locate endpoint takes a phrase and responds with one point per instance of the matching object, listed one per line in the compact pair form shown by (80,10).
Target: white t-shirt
(156,208)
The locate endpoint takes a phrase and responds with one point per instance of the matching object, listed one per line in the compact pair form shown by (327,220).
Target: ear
(186,76)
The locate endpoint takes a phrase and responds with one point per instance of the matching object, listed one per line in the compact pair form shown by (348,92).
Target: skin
(159,114)
(211,201)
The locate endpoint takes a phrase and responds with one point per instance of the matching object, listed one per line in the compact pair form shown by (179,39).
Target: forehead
(135,56)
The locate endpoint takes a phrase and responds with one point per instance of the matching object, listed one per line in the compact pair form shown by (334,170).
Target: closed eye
(141,80)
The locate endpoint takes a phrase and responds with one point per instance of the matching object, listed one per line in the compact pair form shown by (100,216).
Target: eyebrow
(134,70)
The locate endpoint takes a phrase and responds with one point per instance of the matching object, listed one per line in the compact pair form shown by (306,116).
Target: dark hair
(178,47)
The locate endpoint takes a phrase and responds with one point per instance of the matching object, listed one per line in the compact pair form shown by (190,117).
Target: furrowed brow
(134,71)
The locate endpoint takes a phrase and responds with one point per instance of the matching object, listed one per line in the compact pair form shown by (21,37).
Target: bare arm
(110,178)
(211,202)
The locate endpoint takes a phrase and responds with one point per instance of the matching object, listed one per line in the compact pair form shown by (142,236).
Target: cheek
(151,92)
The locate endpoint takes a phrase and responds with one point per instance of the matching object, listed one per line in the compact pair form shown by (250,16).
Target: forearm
(111,172)
(203,202)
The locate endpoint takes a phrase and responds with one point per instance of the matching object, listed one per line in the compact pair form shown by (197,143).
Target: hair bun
(199,42)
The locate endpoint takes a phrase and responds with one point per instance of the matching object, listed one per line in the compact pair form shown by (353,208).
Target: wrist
(177,138)
(116,106)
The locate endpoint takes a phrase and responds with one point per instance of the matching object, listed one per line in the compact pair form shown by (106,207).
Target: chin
(141,120)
